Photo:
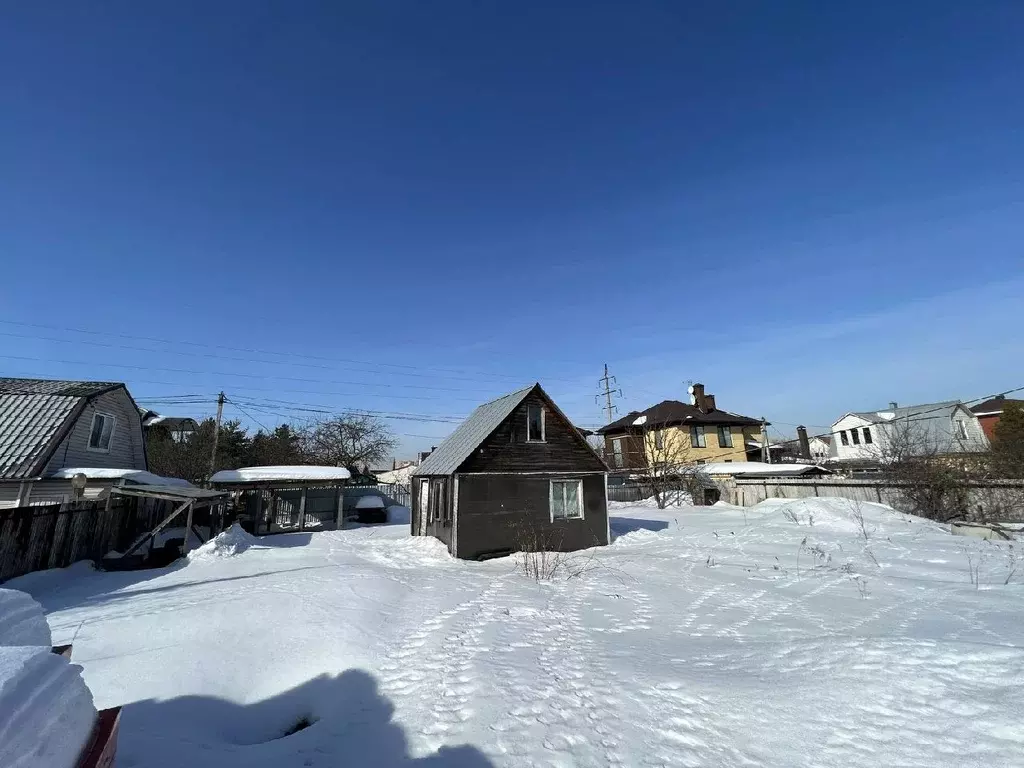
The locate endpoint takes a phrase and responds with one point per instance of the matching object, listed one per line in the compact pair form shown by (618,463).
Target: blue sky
(414,207)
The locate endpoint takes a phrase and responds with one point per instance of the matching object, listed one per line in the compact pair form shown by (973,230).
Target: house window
(725,437)
(659,439)
(101,432)
(566,499)
(701,461)
(697,438)
(843,438)
(617,451)
(855,435)
(868,440)
(534,424)
(961,429)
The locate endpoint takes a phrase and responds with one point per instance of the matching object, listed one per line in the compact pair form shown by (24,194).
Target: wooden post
(188,527)
(339,516)
(878,492)
(273,510)
(302,509)
(258,513)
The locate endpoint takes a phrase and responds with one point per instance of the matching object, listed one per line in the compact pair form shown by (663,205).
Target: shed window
(566,499)
(697,437)
(867,436)
(855,435)
(843,438)
(101,432)
(535,424)
(725,437)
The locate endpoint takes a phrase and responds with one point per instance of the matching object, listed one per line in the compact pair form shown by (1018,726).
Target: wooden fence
(54,536)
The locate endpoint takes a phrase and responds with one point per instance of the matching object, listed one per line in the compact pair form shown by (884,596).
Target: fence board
(37,537)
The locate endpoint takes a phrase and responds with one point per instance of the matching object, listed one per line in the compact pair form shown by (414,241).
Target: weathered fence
(54,536)
(628,492)
(392,492)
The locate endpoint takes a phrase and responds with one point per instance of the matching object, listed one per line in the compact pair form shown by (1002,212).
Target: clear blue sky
(810,207)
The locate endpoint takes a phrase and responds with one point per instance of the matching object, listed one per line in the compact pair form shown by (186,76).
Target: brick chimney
(709,401)
(699,398)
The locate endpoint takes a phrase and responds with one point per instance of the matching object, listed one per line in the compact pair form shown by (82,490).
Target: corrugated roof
(32,413)
(470,433)
(55,387)
(28,425)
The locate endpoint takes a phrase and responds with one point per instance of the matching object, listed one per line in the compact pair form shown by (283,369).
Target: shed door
(424,505)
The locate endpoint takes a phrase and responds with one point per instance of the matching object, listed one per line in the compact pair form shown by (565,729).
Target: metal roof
(55,387)
(32,414)
(28,425)
(471,433)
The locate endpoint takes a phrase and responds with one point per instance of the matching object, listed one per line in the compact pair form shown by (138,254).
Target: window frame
(695,431)
(725,430)
(92,428)
(617,454)
(868,438)
(543,424)
(843,438)
(579,497)
(962,429)
(855,436)
(659,440)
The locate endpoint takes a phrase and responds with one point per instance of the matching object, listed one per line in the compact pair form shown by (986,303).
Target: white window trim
(92,426)
(579,495)
(543,424)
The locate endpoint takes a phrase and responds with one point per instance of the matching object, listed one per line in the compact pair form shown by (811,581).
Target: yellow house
(675,433)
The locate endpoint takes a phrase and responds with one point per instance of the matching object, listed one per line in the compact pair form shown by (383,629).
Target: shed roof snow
(467,437)
(33,413)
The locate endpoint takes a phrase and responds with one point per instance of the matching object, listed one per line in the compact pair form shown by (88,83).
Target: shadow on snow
(623,525)
(349,724)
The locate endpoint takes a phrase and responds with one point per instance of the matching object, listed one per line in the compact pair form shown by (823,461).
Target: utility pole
(216,433)
(766,454)
(606,382)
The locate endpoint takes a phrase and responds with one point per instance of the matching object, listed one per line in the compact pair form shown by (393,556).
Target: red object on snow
(103,745)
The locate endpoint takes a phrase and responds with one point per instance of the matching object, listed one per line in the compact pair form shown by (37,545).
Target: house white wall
(821,450)
(850,441)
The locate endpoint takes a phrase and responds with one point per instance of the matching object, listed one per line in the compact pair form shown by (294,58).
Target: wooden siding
(440,529)
(633,456)
(127,444)
(9,493)
(507,450)
(494,509)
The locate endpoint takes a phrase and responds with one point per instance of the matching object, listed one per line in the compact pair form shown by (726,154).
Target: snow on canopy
(139,476)
(282,473)
(756,467)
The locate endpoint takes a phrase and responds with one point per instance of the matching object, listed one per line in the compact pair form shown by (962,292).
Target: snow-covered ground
(782,635)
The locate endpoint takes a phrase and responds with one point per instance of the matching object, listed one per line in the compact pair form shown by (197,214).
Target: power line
(246,413)
(242,375)
(401,366)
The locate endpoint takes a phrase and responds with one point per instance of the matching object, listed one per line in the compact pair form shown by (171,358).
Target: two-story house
(49,426)
(685,433)
(929,429)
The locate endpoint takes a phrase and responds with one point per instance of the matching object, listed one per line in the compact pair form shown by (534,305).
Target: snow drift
(234,541)
(22,621)
(46,710)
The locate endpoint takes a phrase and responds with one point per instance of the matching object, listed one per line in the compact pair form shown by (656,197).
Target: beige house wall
(677,448)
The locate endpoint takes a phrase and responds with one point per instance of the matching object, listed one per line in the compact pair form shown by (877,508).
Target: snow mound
(46,710)
(234,541)
(22,621)
(832,514)
(411,552)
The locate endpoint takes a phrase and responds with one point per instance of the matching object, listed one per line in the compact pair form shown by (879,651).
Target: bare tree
(931,481)
(670,472)
(351,441)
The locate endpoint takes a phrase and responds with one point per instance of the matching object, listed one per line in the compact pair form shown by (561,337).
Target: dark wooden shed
(515,475)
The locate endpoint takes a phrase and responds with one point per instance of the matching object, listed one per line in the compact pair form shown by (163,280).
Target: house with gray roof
(47,426)
(516,475)
(930,429)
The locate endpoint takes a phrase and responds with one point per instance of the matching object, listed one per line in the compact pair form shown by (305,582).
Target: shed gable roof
(33,417)
(467,437)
